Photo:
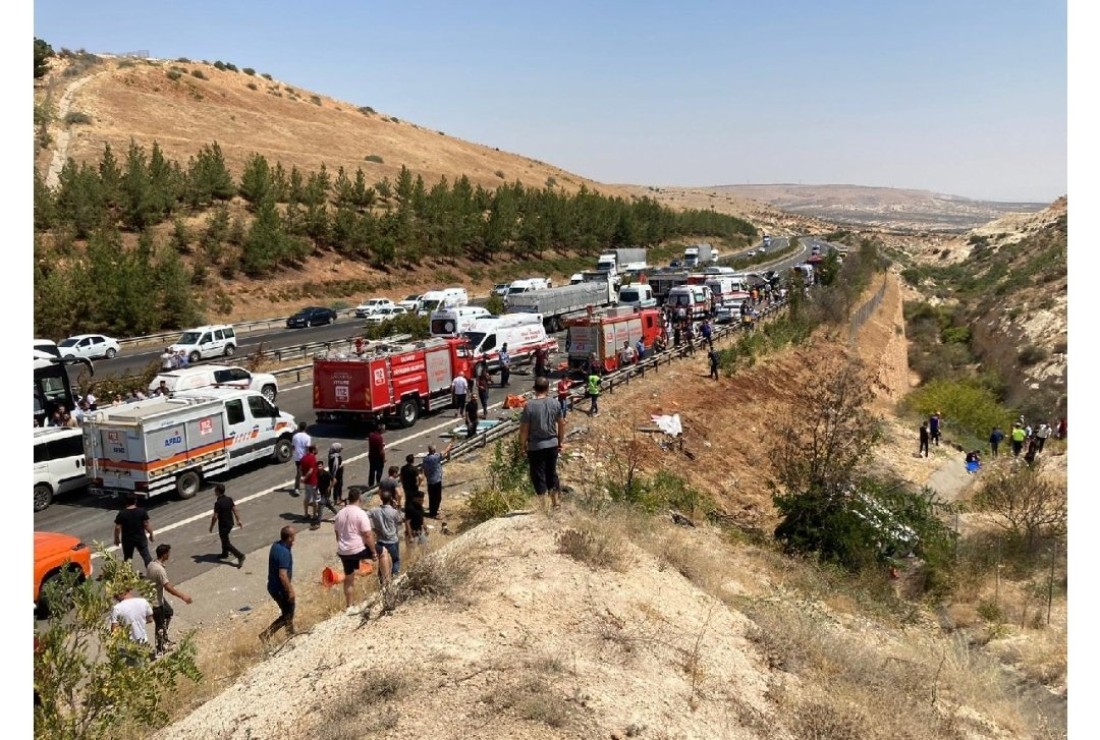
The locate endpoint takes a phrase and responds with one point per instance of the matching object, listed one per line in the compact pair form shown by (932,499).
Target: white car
(500,289)
(221,376)
(411,303)
(90,346)
(385,314)
(374,304)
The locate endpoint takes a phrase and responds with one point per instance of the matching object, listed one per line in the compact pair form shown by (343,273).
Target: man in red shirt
(563,393)
(376,455)
(309,480)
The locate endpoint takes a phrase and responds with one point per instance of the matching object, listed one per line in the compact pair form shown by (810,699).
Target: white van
(58,463)
(528,284)
(639,295)
(728,287)
(207,341)
(522,332)
(437,300)
(211,376)
(452,322)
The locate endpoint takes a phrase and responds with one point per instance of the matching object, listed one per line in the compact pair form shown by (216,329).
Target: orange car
(53,553)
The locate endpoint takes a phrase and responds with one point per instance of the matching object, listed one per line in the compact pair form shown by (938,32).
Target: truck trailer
(556,304)
(699,255)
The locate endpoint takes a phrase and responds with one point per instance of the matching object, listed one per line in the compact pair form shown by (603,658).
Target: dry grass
(596,547)
(367,709)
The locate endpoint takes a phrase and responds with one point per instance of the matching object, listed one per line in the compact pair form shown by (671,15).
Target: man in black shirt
(336,468)
(225,513)
(414,518)
(410,477)
(131,527)
(324,490)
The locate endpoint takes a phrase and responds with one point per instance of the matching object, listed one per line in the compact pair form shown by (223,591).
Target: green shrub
(197,73)
(219,65)
(366,110)
(1031,354)
(408,323)
(373,158)
(956,335)
(249,71)
(231,67)
(395,119)
(495,305)
(76,117)
(173,74)
(252,86)
(266,76)
(965,404)
(315,99)
(500,174)
(183,60)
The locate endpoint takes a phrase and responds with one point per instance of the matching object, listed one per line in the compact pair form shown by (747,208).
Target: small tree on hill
(42,53)
(91,680)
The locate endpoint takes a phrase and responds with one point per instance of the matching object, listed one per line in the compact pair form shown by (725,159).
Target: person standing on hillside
(131,527)
(714,361)
(1018,437)
(391,484)
(483,381)
(410,477)
(995,438)
(225,513)
(541,435)
(934,428)
(336,468)
(564,385)
(162,608)
(594,394)
(432,465)
(707,331)
(300,442)
(376,454)
(923,451)
(505,366)
(459,388)
(280,585)
(1042,434)
(354,541)
(386,522)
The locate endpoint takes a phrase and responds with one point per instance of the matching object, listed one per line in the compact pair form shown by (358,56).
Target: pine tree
(181,238)
(45,209)
(138,206)
(80,198)
(110,179)
(265,243)
(256,181)
(165,188)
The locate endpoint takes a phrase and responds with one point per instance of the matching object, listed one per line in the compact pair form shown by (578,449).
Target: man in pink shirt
(354,541)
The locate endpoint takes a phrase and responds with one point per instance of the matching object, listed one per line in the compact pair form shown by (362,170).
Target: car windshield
(628,296)
(68,342)
(430,305)
(475,338)
(189,337)
(413,297)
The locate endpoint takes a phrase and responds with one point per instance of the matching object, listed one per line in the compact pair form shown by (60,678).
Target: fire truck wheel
(283,450)
(188,483)
(408,412)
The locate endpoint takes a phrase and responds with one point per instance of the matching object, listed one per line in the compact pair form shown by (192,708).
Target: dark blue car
(312,316)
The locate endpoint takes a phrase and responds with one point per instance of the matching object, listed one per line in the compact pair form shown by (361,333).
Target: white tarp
(670,425)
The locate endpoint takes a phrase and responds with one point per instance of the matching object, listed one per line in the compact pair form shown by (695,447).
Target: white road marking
(281,486)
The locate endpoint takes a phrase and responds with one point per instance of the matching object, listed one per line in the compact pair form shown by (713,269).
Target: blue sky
(962,97)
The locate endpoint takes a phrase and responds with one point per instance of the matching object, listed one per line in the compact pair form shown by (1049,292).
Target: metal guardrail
(242,328)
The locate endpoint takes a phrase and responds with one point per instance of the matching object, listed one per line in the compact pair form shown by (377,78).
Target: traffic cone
(330,577)
(365,568)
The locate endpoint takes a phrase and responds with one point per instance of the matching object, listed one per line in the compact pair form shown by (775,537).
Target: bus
(53,384)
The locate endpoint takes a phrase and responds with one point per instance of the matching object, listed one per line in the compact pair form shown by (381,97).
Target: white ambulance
(452,322)
(524,333)
(161,444)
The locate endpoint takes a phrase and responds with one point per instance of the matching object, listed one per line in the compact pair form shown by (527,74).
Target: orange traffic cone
(330,577)
(365,568)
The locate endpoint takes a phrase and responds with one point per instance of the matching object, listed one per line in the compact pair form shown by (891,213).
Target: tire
(188,484)
(229,350)
(111,353)
(269,392)
(42,606)
(408,412)
(43,496)
(284,450)
(194,356)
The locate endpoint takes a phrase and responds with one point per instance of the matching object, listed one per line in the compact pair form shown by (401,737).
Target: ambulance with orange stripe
(163,445)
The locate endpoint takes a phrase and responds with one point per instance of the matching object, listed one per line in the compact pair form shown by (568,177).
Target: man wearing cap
(336,469)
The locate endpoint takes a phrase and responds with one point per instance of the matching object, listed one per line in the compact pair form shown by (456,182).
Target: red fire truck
(388,379)
(606,331)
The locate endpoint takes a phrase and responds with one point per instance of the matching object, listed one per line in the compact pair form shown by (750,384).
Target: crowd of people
(1023,439)
(72,416)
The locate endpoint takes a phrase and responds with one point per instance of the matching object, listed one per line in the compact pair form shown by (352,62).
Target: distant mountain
(894,209)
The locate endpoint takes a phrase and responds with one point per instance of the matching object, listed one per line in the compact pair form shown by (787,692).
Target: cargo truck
(556,304)
(618,261)
(161,445)
(699,255)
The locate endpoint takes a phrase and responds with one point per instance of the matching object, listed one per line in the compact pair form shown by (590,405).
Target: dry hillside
(136,99)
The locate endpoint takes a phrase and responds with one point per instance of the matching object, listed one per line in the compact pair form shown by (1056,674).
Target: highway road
(262,489)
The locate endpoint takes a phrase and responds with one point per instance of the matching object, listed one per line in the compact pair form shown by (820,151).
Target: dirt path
(61,130)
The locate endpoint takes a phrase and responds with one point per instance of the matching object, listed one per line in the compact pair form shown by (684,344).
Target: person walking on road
(131,527)
(432,465)
(995,438)
(505,366)
(376,454)
(300,442)
(459,388)
(162,609)
(280,585)
(541,436)
(923,451)
(354,542)
(309,480)
(483,390)
(324,494)
(225,514)
(336,468)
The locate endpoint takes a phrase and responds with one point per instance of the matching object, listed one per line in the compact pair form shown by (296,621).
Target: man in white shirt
(301,442)
(459,388)
(354,541)
(626,357)
(132,612)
